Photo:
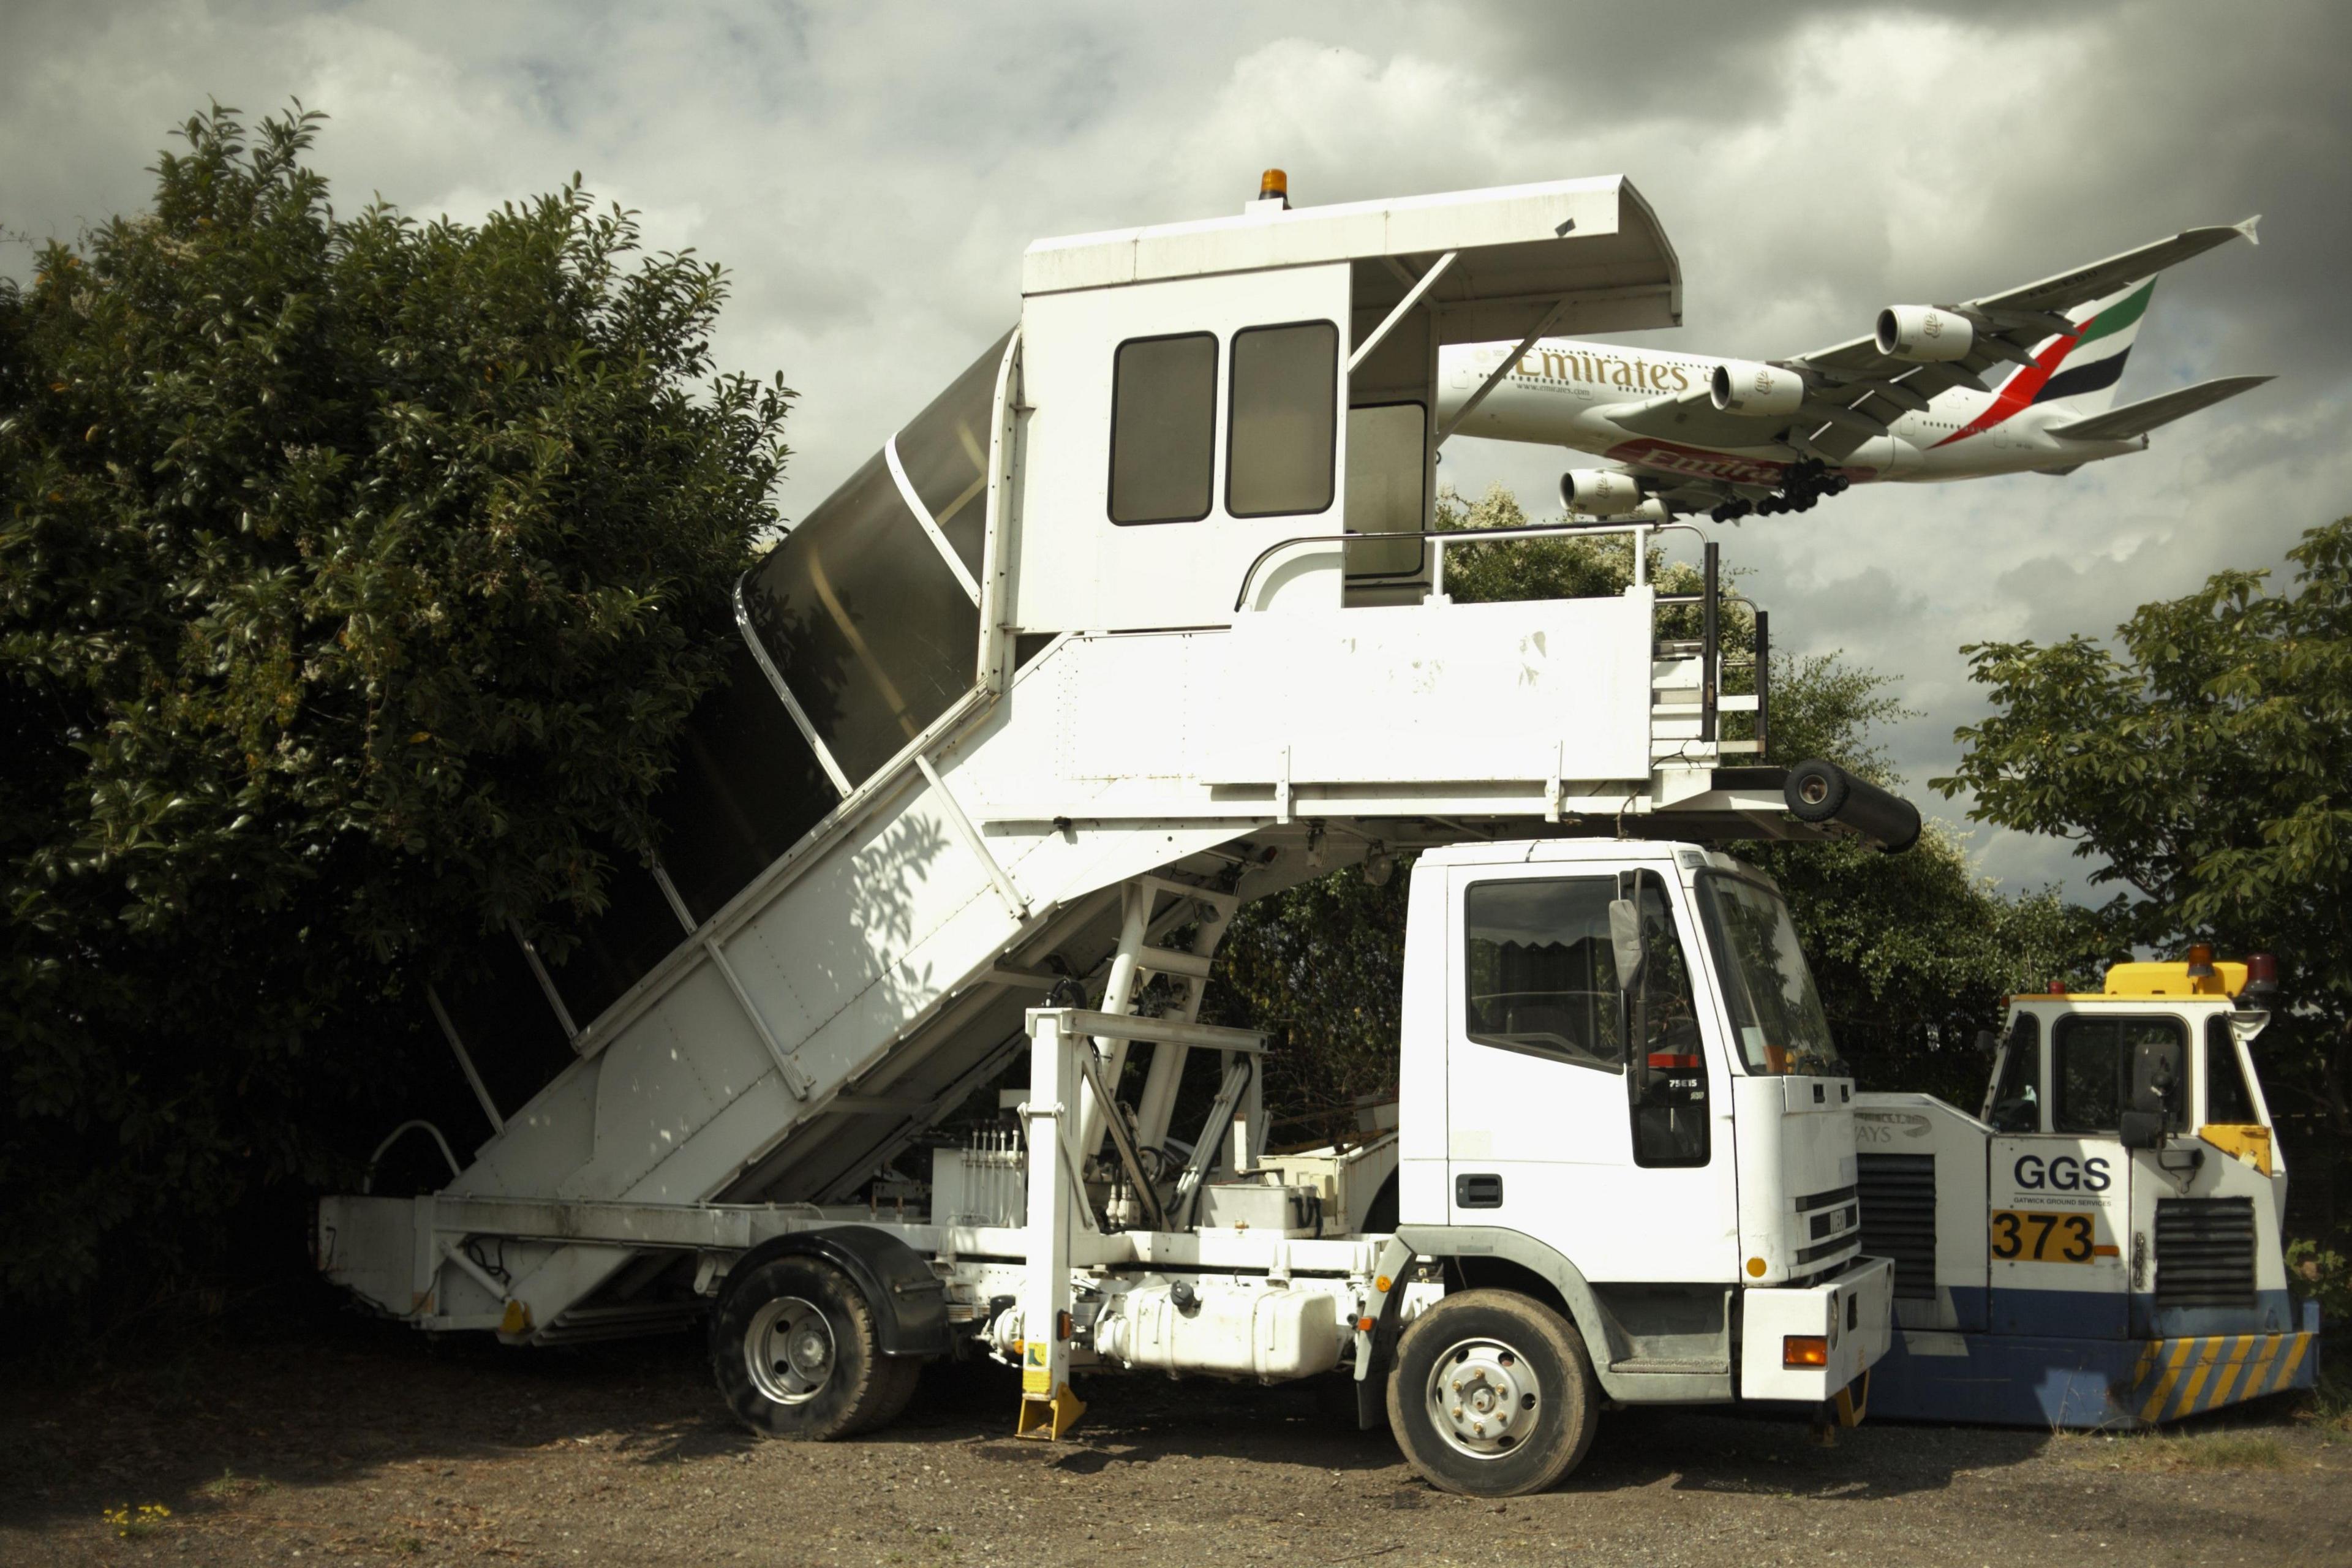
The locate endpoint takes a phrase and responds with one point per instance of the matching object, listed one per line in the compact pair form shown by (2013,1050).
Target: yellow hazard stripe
(2242,1356)
(2259,1369)
(2293,1359)
(2163,1391)
(2207,1350)
(2206,1372)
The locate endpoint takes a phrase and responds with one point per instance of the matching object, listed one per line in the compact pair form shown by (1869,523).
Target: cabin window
(2091,1069)
(1284,422)
(1670,1099)
(1164,428)
(1541,975)
(2229,1099)
(1387,454)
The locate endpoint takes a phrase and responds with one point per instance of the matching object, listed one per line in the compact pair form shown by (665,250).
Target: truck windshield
(1776,1012)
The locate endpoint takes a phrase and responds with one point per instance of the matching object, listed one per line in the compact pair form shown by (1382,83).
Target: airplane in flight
(2013,382)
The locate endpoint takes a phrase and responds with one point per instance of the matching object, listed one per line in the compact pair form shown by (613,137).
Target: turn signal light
(1366,1325)
(1804,1350)
(1382,1283)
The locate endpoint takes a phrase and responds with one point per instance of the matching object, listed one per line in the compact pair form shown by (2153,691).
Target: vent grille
(2205,1252)
(1898,1219)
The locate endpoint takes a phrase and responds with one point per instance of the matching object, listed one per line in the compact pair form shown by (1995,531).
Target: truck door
(2059,1229)
(1550,1131)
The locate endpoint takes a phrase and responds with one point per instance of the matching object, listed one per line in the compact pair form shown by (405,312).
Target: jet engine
(1599,492)
(1762,391)
(1923,334)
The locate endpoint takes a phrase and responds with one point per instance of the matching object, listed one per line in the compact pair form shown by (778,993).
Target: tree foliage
(355,574)
(2200,764)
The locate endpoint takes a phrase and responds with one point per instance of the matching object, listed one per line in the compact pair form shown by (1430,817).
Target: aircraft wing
(1686,416)
(1857,380)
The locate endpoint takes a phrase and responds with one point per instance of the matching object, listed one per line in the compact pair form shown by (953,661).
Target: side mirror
(2142,1129)
(1625,940)
(1986,1042)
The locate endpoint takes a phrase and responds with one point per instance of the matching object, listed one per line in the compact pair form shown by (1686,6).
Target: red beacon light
(2262,981)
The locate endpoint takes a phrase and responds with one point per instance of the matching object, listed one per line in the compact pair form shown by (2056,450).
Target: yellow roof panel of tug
(2222,979)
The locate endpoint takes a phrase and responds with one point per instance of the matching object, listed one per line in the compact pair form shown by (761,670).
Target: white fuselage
(1568,393)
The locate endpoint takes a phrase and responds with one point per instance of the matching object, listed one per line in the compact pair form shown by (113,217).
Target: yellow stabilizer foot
(1852,1401)
(1049,1416)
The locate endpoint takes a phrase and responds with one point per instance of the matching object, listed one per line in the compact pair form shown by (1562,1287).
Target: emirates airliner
(2019,381)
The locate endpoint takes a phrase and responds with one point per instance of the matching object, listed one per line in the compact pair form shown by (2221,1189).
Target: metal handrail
(1447,535)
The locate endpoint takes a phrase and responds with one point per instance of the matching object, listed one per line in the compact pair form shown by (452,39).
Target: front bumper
(1853,1312)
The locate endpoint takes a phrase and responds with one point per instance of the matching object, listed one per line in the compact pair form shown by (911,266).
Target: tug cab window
(2229,1100)
(1284,420)
(2016,1105)
(1164,428)
(2091,1070)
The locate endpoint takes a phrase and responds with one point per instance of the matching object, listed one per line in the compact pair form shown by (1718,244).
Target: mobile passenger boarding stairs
(1141,618)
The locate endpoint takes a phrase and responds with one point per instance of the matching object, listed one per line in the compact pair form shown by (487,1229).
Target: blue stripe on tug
(2116,1384)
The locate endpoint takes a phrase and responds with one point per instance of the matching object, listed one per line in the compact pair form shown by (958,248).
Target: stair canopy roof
(1593,242)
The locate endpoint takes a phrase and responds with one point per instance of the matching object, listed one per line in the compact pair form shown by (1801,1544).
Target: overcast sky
(871,172)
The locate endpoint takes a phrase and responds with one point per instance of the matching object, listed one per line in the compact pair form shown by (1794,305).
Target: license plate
(2031,1236)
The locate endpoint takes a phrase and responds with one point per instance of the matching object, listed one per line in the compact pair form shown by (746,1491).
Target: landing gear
(1493,1395)
(1802,484)
(794,1351)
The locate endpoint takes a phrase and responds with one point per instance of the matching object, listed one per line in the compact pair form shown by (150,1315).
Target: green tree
(2200,766)
(355,574)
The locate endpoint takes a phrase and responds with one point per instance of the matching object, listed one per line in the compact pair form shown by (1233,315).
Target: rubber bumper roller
(1820,791)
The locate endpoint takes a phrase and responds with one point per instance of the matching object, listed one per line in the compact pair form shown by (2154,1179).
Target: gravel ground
(376,1447)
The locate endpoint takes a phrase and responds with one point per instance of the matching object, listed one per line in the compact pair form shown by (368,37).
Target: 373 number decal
(2029,1236)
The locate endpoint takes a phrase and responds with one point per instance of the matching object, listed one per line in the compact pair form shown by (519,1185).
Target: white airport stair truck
(2102,1247)
(1141,618)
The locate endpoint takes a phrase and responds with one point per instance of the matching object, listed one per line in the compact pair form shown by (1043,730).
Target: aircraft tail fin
(2083,382)
(2139,418)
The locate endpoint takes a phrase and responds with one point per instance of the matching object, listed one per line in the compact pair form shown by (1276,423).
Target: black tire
(1529,1376)
(1816,790)
(795,1352)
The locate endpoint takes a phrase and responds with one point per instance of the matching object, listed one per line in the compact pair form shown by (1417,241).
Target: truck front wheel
(1493,1395)
(793,1347)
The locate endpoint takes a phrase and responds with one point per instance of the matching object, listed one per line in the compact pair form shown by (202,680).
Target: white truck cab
(1617,1078)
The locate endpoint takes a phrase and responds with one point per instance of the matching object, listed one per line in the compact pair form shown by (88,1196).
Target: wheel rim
(788,1350)
(1483,1398)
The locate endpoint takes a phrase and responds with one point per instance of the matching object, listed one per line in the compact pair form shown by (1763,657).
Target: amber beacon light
(1273,186)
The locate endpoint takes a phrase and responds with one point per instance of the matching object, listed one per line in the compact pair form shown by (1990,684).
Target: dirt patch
(372,1447)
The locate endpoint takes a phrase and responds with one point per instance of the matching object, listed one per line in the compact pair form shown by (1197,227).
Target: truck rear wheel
(1493,1395)
(795,1352)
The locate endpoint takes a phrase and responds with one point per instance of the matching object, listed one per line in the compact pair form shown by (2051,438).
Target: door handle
(1480,1190)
